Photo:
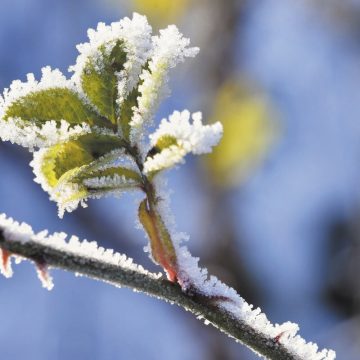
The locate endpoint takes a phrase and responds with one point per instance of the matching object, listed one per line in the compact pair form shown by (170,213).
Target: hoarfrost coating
(169,49)
(86,175)
(191,274)
(189,137)
(12,230)
(147,62)
(285,333)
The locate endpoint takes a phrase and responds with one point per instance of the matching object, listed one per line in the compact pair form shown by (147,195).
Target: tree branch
(138,279)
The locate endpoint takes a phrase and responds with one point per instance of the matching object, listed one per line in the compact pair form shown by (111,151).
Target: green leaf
(126,112)
(99,80)
(53,104)
(73,155)
(121,171)
(78,175)
(165,142)
(162,143)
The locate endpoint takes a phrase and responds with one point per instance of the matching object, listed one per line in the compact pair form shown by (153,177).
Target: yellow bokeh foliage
(161,12)
(249,131)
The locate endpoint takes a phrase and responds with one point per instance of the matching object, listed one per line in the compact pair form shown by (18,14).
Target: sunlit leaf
(126,112)
(163,142)
(74,155)
(53,104)
(99,78)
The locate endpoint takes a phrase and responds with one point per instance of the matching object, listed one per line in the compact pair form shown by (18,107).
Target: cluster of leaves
(82,156)
(88,131)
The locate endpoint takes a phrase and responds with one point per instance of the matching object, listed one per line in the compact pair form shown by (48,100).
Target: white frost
(114,182)
(169,49)
(69,195)
(136,34)
(29,135)
(190,137)
(49,79)
(191,275)
(32,136)
(13,231)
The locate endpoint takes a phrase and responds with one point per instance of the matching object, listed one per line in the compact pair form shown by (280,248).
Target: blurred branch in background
(344,14)
(342,286)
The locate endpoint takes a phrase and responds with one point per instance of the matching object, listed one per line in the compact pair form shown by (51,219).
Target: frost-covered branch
(87,259)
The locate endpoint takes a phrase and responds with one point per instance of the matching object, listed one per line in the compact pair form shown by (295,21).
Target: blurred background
(274,211)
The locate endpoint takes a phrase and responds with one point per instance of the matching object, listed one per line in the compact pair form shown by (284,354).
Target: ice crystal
(136,34)
(32,136)
(169,49)
(190,275)
(115,181)
(189,137)
(12,230)
(49,79)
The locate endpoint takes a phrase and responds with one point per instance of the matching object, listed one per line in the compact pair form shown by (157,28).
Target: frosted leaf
(117,157)
(50,79)
(169,49)
(32,136)
(189,137)
(36,114)
(115,182)
(136,35)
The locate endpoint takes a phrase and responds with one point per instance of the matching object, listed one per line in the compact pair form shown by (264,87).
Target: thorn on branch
(5,263)
(44,276)
(278,337)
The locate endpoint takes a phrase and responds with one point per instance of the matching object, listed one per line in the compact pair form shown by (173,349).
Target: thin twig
(160,288)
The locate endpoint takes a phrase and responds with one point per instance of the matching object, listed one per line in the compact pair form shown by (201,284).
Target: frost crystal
(11,230)
(68,195)
(115,181)
(44,276)
(190,137)
(169,49)
(136,34)
(32,136)
(191,275)
(50,79)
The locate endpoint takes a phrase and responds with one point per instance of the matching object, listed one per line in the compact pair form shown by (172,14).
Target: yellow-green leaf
(99,80)
(53,104)
(161,144)
(126,112)
(73,155)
